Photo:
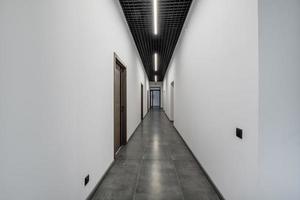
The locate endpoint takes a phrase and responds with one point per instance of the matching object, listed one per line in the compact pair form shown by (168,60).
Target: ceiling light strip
(155,62)
(155,16)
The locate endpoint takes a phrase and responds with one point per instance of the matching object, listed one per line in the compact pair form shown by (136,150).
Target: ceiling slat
(171,17)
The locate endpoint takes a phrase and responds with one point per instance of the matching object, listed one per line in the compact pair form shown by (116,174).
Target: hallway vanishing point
(155,164)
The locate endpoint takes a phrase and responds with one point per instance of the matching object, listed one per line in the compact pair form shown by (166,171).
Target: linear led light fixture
(155,62)
(155,78)
(155,16)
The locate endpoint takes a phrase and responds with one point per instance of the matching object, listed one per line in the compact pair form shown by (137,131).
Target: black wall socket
(86,180)
(239,133)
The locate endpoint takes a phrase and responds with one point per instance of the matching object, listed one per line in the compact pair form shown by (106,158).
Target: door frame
(151,96)
(172,91)
(123,80)
(142,101)
(148,100)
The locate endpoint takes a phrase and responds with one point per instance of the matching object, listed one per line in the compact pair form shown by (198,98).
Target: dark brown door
(151,99)
(148,100)
(117,106)
(123,107)
(120,116)
(142,101)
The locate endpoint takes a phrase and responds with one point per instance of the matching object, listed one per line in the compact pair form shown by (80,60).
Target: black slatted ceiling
(171,17)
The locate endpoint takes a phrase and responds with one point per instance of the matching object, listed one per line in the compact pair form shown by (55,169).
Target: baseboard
(206,174)
(133,132)
(168,116)
(145,115)
(138,126)
(90,196)
(99,182)
(111,164)
(201,167)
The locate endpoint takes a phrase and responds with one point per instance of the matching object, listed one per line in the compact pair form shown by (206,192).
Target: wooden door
(172,101)
(117,108)
(148,100)
(120,105)
(142,101)
(123,106)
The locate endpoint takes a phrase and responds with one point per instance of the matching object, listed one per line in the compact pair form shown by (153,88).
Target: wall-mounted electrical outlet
(86,180)
(239,133)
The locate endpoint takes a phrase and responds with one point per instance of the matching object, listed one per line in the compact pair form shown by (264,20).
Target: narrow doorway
(142,101)
(148,100)
(155,98)
(172,102)
(120,105)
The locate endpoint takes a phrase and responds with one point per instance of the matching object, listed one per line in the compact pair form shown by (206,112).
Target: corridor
(78,80)
(155,164)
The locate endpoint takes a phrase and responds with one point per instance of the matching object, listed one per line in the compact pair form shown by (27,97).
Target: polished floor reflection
(155,165)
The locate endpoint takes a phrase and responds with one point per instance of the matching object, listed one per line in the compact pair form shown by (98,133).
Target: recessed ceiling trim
(171,15)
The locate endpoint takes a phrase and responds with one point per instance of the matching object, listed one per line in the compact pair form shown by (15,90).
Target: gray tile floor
(155,165)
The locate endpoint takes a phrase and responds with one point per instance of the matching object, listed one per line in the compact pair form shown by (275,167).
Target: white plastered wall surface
(215,71)
(237,65)
(279,70)
(56,94)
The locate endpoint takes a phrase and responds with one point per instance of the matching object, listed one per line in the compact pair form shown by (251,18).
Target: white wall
(237,65)
(215,70)
(279,141)
(134,81)
(56,119)
(169,78)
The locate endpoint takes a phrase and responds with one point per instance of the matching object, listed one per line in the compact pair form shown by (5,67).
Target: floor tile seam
(138,175)
(140,165)
(177,176)
(178,180)
(185,145)
(129,159)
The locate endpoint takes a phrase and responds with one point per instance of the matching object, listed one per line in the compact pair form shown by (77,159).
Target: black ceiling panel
(171,17)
